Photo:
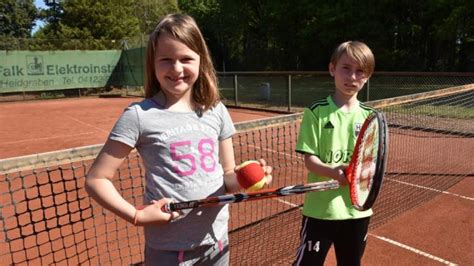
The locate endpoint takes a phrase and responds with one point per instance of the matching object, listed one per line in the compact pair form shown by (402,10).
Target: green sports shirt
(330,134)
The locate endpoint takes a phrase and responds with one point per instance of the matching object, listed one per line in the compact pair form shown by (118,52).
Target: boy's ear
(331,69)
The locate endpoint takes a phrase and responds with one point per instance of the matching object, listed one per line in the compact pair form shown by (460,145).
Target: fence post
(236,94)
(367,93)
(289,92)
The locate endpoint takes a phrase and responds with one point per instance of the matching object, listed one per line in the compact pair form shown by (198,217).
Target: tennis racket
(257,195)
(368,162)
(364,173)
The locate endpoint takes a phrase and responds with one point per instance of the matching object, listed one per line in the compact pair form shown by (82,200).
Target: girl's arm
(315,165)
(227,160)
(99,180)
(100,187)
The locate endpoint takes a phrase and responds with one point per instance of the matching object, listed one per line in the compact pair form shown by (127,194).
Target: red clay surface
(41,126)
(437,232)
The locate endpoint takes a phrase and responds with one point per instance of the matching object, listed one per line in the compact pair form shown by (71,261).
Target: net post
(289,92)
(236,94)
(367,91)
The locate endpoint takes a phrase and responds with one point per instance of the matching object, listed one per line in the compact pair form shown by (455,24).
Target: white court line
(45,138)
(87,124)
(432,189)
(287,155)
(286,202)
(274,151)
(61,136)
(414,250)
(284,154)
(401,182)
(393,242)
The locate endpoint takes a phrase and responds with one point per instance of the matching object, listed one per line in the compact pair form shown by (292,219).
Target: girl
(183,134)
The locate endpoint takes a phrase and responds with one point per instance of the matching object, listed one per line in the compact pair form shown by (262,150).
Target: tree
(17,18)
(91,24)
(149,12)
(405,35)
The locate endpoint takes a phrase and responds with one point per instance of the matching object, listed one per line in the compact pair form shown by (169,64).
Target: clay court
(437,232)
(40,126)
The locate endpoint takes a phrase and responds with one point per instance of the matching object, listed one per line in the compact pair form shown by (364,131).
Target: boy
(327,137)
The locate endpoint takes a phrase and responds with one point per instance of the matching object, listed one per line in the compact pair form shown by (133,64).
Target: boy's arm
(315,165)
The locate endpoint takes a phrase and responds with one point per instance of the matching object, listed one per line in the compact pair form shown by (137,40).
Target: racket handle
(168,207)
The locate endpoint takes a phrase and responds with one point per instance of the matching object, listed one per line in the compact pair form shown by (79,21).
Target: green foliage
(431,35)
(103,20)
(17,18)
(149,12)
(101,24)
(245,35)
(84,24)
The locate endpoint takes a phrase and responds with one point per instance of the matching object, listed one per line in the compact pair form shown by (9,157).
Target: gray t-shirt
(180,153)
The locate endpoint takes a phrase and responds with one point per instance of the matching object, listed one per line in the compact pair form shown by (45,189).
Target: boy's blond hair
(184,29)
(358,51)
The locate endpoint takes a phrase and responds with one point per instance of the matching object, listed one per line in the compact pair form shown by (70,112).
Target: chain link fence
(36,44)
(292,91)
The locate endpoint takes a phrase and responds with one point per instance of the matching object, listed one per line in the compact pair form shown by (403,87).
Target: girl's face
(349,77)
(176,67)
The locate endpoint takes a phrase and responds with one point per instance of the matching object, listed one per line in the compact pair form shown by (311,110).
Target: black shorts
(348,236)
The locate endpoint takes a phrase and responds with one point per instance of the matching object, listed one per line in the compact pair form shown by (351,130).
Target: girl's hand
(268,171)
(154,214)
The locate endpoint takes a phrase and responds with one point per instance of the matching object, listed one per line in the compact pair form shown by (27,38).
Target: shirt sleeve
(309,133)
(227,126)
(127,127)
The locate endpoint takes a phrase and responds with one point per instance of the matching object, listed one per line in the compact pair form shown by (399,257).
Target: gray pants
(217,254)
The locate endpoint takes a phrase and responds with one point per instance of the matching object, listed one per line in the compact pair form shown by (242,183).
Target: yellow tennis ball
(257,186)
(250,175)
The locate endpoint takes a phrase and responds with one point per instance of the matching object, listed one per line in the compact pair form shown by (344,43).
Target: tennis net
(48,218)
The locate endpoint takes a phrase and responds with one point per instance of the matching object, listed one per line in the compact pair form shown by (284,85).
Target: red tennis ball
(250,175)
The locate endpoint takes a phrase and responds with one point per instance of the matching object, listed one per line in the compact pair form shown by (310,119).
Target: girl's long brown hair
(184,29)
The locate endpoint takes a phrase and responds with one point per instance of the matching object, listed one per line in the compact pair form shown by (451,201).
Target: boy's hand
(340,175)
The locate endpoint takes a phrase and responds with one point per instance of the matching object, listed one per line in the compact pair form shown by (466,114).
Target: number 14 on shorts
(313,247)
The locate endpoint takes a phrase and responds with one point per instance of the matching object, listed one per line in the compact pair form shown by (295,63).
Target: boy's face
(349,77)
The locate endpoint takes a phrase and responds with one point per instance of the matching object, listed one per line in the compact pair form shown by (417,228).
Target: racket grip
(168,207)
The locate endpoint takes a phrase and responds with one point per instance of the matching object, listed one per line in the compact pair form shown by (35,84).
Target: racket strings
(366,164)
